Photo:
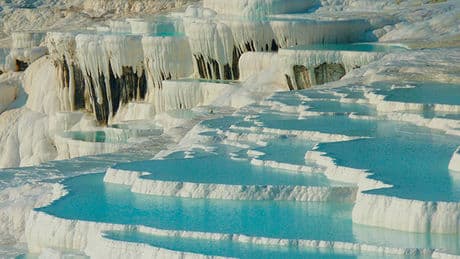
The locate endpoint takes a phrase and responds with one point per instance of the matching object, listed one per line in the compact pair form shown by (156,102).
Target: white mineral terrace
(229,129)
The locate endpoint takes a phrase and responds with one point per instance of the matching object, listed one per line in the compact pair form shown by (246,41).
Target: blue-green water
(230,249)
(276,219)
(425,93)
(116,204)
(326,124)
(286,149)
(414,162)
(221,170)
(338,107)
(315,94)
(87,136)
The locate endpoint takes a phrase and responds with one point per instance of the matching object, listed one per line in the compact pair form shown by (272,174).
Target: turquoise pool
(237,250)
(117,204)
(221,170)
(275,219)
(286,149)
(339,107)
(337,124)
(425,93)
(414,162)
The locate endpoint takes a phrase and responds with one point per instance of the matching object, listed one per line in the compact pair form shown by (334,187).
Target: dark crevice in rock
(79,81)
(215,66)
(250,46)
(101,107)
(130,86)
(201,66)
(21,65)
(65,77)
(275,46)
(235,66)
(211,69)
(227,71)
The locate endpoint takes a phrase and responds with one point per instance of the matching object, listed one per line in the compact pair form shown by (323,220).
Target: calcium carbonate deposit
(230,129)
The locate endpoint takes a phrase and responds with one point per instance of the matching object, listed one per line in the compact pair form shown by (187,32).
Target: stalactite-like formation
(100,73)
(217,42)
(126,88)
(130,61)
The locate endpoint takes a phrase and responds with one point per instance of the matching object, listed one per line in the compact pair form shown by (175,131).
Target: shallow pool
(413,159)
(230,249)
(117,204)
(338,124)
(221,170)
(275,219)
(94,136)
(425,93)
(286,149)
(339,107)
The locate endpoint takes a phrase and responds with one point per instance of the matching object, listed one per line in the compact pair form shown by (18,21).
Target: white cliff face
(176,95)
(211,44)
(300,69)
(123,51)
(165,58)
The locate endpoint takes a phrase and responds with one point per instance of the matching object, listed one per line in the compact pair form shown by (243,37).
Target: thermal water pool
(221,170)
(272,219)
(117,204)
(286,149)
(91,136)
(415,162)
(423,93)
(228,248)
